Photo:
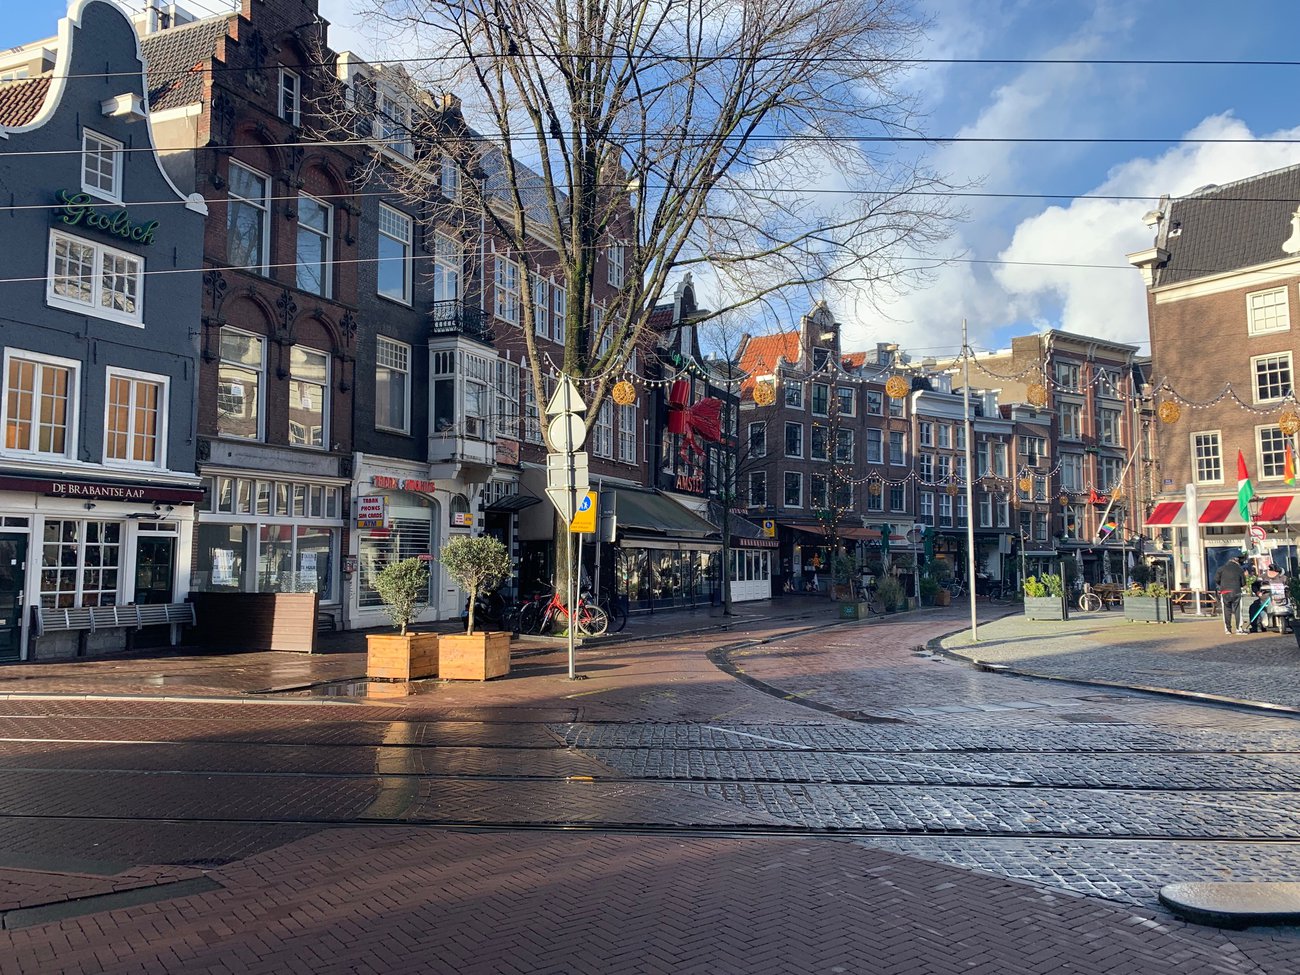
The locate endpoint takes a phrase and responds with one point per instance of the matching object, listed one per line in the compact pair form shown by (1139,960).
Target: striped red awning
(1217,512)
(1165,513)
(1275,508)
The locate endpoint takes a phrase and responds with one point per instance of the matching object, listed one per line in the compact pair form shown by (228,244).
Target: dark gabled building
(242,110)
(100,325)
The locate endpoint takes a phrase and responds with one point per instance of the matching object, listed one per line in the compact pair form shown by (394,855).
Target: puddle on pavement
(361,688)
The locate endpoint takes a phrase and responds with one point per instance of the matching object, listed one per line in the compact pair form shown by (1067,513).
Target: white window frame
(260,436)
(1071,472)
(1256,361)
(326,237)
(852,400)
(897,497)
(448,267)
(393,117)
(1074,429)
(449,178)
(1259,452)
(925,433)
(902,448)
(325,397)
(1109,427)
(541,305)
(559,313)
(925,507)
(390,223)
(404,351)
(160,434)
(627,433)
(794,402)
(94,307)
(875,402)
(616,261)
(876,448)
(602,435)
(785,489)
(261,204)
(507,302)
(1268,312)
(107,147)
(944,431)
(70,440)
(1217,436)
(292,111)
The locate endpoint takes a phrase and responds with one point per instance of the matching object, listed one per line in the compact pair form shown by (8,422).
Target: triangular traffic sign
(565,399)
(565,500)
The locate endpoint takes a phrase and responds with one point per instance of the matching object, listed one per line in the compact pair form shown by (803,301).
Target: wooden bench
(85,620)
(1186,600)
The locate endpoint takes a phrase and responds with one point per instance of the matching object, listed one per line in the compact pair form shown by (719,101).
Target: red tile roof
(20,101)
(853,360)
(761,354)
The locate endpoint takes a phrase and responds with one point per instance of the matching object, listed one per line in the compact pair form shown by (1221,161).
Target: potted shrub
(478,565)
(1148,605)
(1045,598)
(890,592)
(404,588)
(929,588)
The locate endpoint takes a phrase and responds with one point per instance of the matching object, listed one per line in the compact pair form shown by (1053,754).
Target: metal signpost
(567,479)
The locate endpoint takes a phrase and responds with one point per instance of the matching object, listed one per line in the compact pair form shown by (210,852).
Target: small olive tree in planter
(478,565)
(1148,605)
(404,588)
(1045,598)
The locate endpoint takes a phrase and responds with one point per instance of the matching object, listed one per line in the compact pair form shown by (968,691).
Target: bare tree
(749,139)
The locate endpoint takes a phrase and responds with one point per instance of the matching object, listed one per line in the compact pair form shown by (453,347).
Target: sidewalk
(185,673)
(1191,656)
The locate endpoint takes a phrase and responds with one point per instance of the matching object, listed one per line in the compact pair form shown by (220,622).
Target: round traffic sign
(1258,533)
(565,432)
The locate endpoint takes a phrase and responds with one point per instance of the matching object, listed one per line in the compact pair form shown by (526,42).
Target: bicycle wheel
(617,615)
(876,606)
(1090,602)
(530,618)
(592,621)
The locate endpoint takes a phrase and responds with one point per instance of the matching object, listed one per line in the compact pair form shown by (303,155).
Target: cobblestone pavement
(788,795)
(1190,654)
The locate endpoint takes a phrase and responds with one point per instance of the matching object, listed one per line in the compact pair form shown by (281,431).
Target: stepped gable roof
(21,101)
(761,354)
(1230,227)
(176,58)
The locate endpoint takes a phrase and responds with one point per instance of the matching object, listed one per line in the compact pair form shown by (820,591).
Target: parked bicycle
(1089,601)
(589,620)
(867,593)
(616,609)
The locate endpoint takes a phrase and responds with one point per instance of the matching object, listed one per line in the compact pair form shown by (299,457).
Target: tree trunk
(726,559)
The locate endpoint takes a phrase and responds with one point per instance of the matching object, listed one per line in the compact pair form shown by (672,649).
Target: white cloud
(1112,303)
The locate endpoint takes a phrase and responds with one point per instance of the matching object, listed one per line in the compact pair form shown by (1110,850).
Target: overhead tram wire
(774,58)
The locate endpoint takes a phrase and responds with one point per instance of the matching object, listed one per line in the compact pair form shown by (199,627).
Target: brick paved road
(1030,823)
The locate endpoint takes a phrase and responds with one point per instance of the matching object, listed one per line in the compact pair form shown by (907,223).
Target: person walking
(1228,581)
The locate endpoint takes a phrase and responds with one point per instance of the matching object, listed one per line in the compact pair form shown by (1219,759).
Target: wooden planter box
(1149,609)
(390,656)
(855,611)
(477,656)
(943,598)
(1045,608)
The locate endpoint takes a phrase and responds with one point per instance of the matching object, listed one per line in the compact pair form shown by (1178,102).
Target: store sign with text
(77,210)
(372,511)
(403,484)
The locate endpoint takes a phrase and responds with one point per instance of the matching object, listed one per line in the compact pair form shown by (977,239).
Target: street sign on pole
(565,399)
(584,520)
(565,432)
(565,500)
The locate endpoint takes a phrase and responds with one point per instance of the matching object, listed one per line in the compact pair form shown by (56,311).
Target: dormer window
(290,93)
(394,115)
(101,166)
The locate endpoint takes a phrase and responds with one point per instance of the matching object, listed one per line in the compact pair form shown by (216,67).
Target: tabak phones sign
(372,511)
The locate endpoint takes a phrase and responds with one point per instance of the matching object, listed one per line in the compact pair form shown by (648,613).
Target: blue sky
(1013,292)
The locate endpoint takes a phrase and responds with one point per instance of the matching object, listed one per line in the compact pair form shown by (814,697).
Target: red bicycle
(590,620)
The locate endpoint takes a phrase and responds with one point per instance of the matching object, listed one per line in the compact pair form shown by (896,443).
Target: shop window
(247,219)
(93,279)
(239,385)
(393,267)
(101,166)
(222,555)
(79,563)
(136,409)
(392,385)
(315,245)
(38,405)
(308,396)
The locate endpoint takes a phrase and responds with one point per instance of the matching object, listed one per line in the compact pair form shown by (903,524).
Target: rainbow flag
(1288,471)
(1107,528)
